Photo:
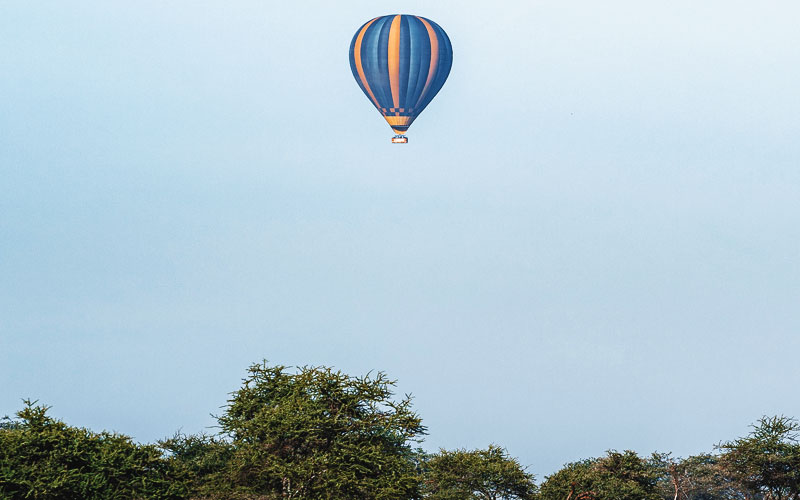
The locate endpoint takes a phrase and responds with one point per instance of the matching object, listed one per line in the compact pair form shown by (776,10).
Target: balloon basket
(399,139)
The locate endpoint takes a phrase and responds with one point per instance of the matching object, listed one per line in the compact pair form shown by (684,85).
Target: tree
(674,479)
(480,474)
(318,433)
(200,464)
(766,462)
(44,459)
(617,476)
(698,477)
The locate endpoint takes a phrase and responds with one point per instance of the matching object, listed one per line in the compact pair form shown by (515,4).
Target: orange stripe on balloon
(434,59)
(398,120)
(394,60)
(359,67)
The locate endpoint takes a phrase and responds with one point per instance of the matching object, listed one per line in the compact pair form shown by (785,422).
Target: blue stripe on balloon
(409,84)
(423,60)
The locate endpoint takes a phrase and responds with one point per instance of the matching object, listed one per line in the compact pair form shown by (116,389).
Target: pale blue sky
(592,240)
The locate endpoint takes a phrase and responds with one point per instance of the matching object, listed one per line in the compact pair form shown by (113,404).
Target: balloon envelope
(401,63)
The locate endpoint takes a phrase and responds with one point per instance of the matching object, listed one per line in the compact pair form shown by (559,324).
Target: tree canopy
(766,462)
(618,476)
(315,433)
(488,474)
(42,458)
(319,433)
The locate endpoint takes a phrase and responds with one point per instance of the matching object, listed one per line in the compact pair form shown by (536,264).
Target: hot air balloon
(401,63)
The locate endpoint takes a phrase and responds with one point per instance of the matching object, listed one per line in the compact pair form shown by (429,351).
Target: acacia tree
(488,474)
(617,476)
(675,478)
(698,477)
(766,462)
(318,433)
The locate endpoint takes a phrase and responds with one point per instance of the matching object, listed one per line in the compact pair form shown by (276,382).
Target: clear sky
(592,240)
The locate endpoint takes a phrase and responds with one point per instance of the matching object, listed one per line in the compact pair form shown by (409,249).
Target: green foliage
(200,463)
(42,458)
(480,474)
(318,434)
(766,463)
(321,434)
(617,476)
(698,477)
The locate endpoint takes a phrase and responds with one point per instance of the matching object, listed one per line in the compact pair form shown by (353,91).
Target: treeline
(317,433)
